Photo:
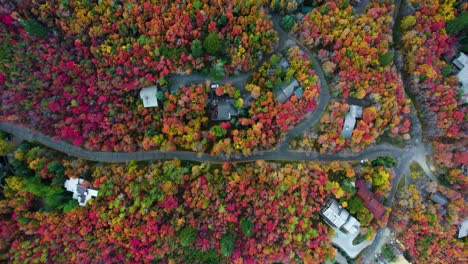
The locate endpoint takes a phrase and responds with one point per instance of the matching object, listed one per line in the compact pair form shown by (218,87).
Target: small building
(338,217)
(439,199)
(223,110)
(463,229)
(149,96)
(355,112)
(283,63)
(80,192)
(286,90)
(374,206)
(462,63)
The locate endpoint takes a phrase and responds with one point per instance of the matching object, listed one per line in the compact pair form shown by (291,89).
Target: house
(374,206)
(355,112)
(149,96)
(462,63)
(439,199)
(286,90)
(80,192)
(338,217)
(463,229)
(223,110)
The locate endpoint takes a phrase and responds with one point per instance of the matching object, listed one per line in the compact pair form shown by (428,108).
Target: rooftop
(223,110)
(355,111)
(463,229)
(80,192)
(286,90)
(462,63)
(338,217)
(376,208)
(148,95)
(439,199)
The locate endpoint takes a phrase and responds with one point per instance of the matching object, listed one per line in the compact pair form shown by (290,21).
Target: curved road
(415,151)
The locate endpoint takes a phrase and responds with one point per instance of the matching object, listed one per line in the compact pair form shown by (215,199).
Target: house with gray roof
(439,198)
(462,63)
(286,90)
(355,112)
(223,110)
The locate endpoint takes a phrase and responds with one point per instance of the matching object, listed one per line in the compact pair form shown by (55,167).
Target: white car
(364,160)
(214,86)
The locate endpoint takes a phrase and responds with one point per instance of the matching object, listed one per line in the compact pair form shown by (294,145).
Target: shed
(149,96)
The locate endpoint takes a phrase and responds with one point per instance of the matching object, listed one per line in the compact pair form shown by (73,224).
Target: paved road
(413,151)
(31,135)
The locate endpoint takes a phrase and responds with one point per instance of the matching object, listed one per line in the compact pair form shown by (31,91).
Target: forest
(175,211)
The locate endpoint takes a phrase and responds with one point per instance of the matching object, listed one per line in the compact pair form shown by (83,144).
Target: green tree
(246,226)
(56,167)
(218,131)
(355,205)
(187,236)
(408,22)
(227,244)
(287,22)
(457,24)
(388,254)
(34,28)
(386,161)
(212,44)
(5,147)
(386,58)
(197,48)
(446,71)
(348,187)
(218,72)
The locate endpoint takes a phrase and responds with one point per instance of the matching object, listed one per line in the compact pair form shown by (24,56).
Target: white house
(148,95)
(338,217)
(463,229)
(462,63)
(355,111)
(80,192)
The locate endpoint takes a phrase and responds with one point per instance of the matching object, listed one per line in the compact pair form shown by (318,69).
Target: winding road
(415,150)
